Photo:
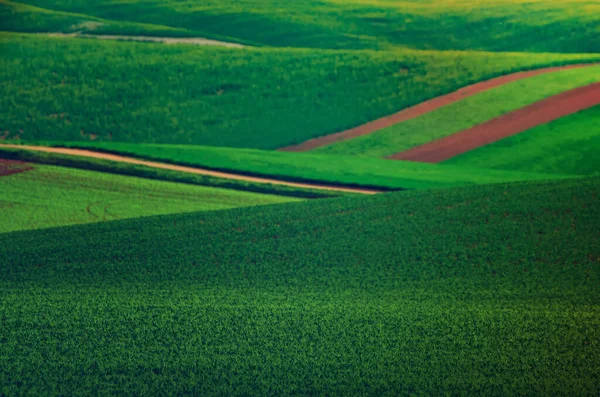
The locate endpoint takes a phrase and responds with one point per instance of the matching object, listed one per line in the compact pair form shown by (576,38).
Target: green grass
(51,196)
(489,290)
(19,17)
(498,25)
(308,167)
(60,89)
(161,174)
(569,145)
(464,114)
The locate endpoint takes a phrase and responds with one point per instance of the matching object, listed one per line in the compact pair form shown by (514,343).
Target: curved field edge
(410,292)
(515,25)
(142,171)
(51,196)
(568,145)
(24,18)
(343,171)
(464,114)
(221,97)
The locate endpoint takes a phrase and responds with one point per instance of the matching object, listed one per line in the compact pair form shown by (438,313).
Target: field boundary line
(191,170)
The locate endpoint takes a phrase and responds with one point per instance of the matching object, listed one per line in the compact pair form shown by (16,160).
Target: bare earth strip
(166,40)
(9,167)
(541,112)
(422,108)
(191,170)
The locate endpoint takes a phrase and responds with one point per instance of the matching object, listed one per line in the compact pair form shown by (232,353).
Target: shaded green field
(17,17)
(55,196)
(480,290)
(498,25)
(569,145)
(308,167)
(464,114)
(60,89)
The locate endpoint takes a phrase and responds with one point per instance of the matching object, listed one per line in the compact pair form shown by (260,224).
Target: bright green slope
(61,89)
(464,114)
(498,25)
(487,290)
(55,196)
(569,145)
(342,170)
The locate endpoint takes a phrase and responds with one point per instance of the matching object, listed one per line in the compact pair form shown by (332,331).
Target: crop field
(236,215)
(341,170)
(347,296)
(464,114)
(496,25)
(50,196)
(569,145)
(256,98)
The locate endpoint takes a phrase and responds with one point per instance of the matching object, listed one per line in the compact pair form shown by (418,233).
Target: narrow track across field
(191,170)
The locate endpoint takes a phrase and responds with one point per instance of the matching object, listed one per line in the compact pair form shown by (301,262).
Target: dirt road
(520,120)
(422,108)
(191,170)
(166,40)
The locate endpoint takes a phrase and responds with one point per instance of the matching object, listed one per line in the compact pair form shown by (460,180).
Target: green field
(480,290)
(464,114)
(308,167)
(60,89)
(49,196)
(497,25)
(569,145)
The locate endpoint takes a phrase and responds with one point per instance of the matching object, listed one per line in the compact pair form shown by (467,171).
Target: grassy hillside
(349,296)
(60,89)
(499,25)
(342,170)
(19,17)
(568,145)
(464,114)
(50,196)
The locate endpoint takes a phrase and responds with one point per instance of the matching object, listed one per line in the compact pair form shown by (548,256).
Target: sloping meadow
(487,289)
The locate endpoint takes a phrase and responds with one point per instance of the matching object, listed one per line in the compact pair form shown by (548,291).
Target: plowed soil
(9,167)
(541,112)
(422,108)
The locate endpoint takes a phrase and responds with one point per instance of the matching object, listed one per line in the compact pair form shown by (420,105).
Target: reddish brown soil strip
(422,108)
(9,167)
(541,112)
(191,170)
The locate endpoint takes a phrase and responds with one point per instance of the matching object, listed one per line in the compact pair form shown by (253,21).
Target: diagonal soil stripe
(541,112)
(422,108)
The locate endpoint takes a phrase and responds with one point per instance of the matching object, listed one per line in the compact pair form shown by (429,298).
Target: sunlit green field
(568,145)
(50,196)
(260,98)
(341,170)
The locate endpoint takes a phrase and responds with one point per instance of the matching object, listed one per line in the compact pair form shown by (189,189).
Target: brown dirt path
(191,170)
(10,167)
(512,123)
(422,108)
